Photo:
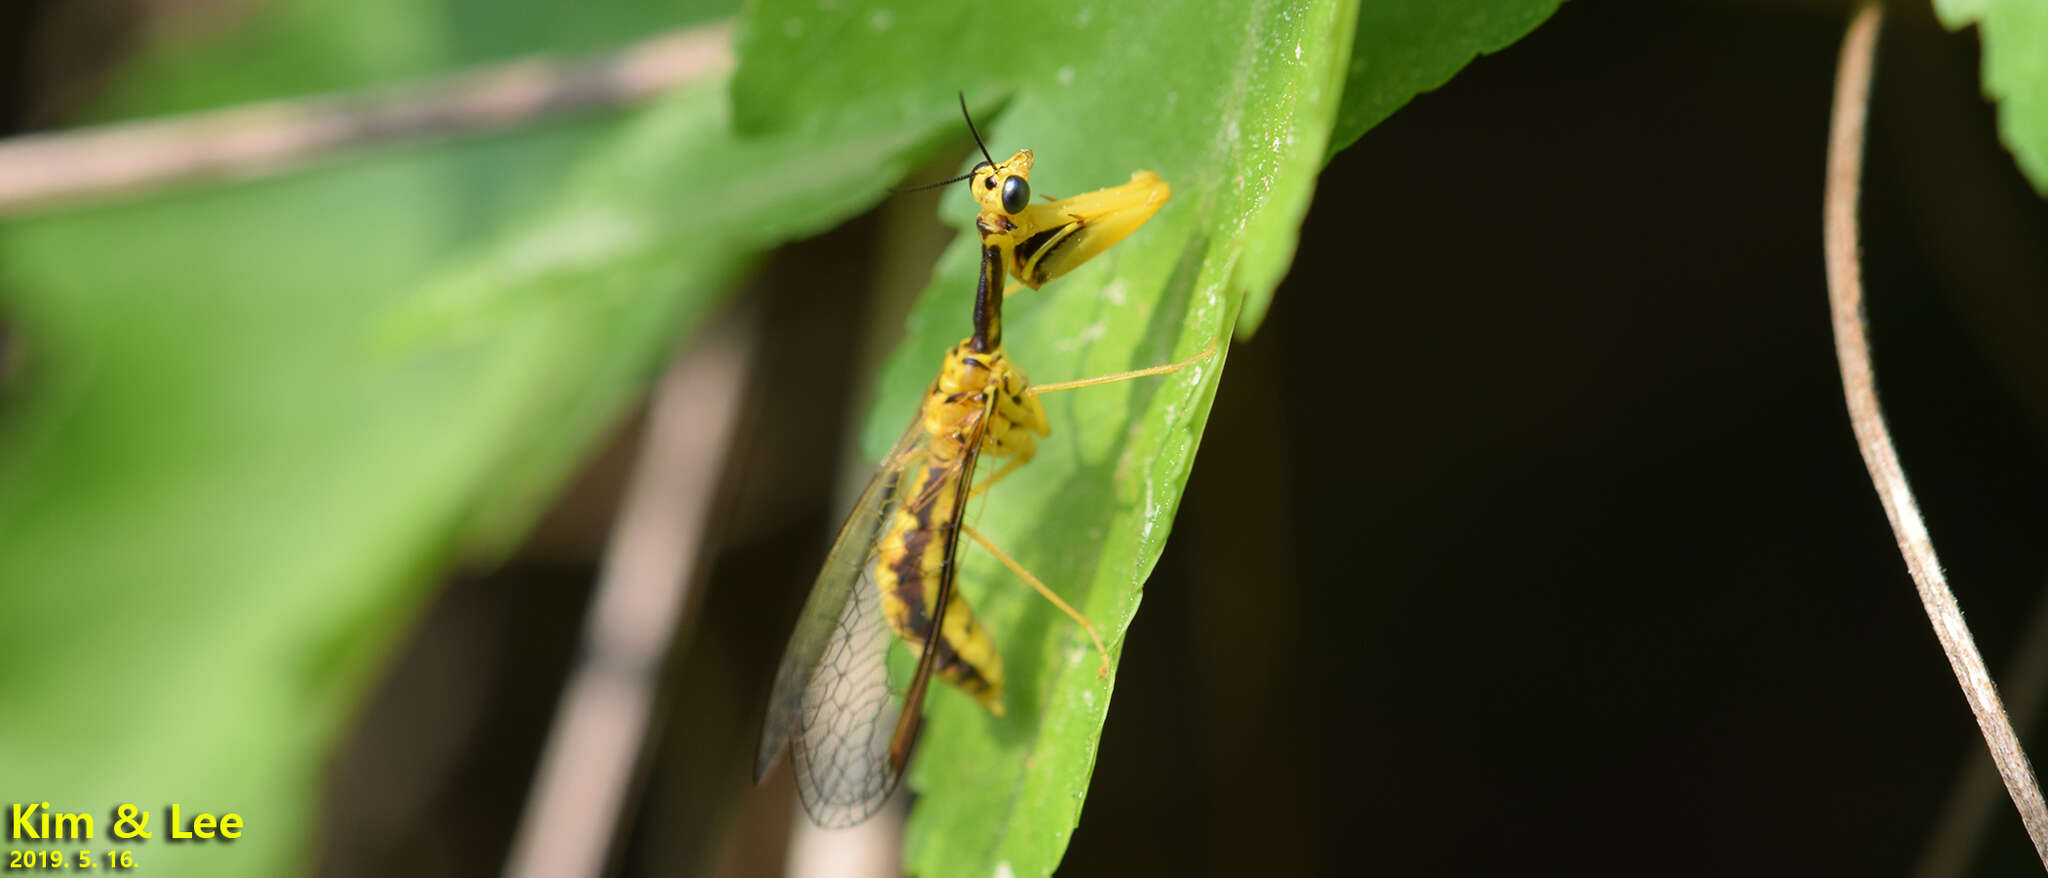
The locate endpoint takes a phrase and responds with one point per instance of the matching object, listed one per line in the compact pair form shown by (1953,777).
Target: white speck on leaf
(1065,74)
(881,19)
(1003,870)
(1093,333)
(1114,293)
(1083,16)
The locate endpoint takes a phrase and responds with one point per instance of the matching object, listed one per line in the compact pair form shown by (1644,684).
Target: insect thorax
(967,381)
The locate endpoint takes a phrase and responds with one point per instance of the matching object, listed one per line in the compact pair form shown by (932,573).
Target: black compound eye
(1016,195)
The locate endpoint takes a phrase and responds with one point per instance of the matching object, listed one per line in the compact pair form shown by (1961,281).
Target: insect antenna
(977,142)
(970,128)
(895,190)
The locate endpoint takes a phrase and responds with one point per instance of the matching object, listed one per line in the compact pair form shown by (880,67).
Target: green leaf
(2015,38)
(666,216)
(1232,103)
(1403,48)
(1407,47)
(256,420)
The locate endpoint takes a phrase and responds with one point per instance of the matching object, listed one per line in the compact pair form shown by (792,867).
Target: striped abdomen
(917,550)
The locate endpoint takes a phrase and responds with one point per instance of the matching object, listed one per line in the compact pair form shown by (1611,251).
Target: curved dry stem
(1959,832)
(639,613)
(39,171)
(1859,386)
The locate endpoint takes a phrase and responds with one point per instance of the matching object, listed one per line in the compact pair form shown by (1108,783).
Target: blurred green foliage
(258,418)
(299,47)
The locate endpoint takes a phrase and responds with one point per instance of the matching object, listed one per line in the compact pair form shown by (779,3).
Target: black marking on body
(910,572)
(1037,273)
(910,580)
(951,666)
(988,303)
(1029,247)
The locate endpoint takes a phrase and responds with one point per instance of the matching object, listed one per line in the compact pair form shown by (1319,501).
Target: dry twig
(1971,803)
(640,611)
(45,170)
(1859,386)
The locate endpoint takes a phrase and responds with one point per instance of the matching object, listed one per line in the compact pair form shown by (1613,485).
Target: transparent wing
(911,721)
(832,702)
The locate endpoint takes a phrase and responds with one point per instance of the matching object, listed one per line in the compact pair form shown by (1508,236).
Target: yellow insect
(891,571)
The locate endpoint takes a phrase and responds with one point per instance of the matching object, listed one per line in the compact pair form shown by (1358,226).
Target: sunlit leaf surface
(1233,104)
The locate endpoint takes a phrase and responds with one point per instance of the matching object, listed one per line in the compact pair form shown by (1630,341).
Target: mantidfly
(893,563)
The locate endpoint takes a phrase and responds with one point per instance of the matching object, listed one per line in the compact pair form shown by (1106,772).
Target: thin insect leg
(1087,626)
(979,498)
(1008,467)
(1042,389)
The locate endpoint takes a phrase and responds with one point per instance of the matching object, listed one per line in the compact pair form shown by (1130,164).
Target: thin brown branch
(1959,832)
(39,171)
(1859,386)
(640,612)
